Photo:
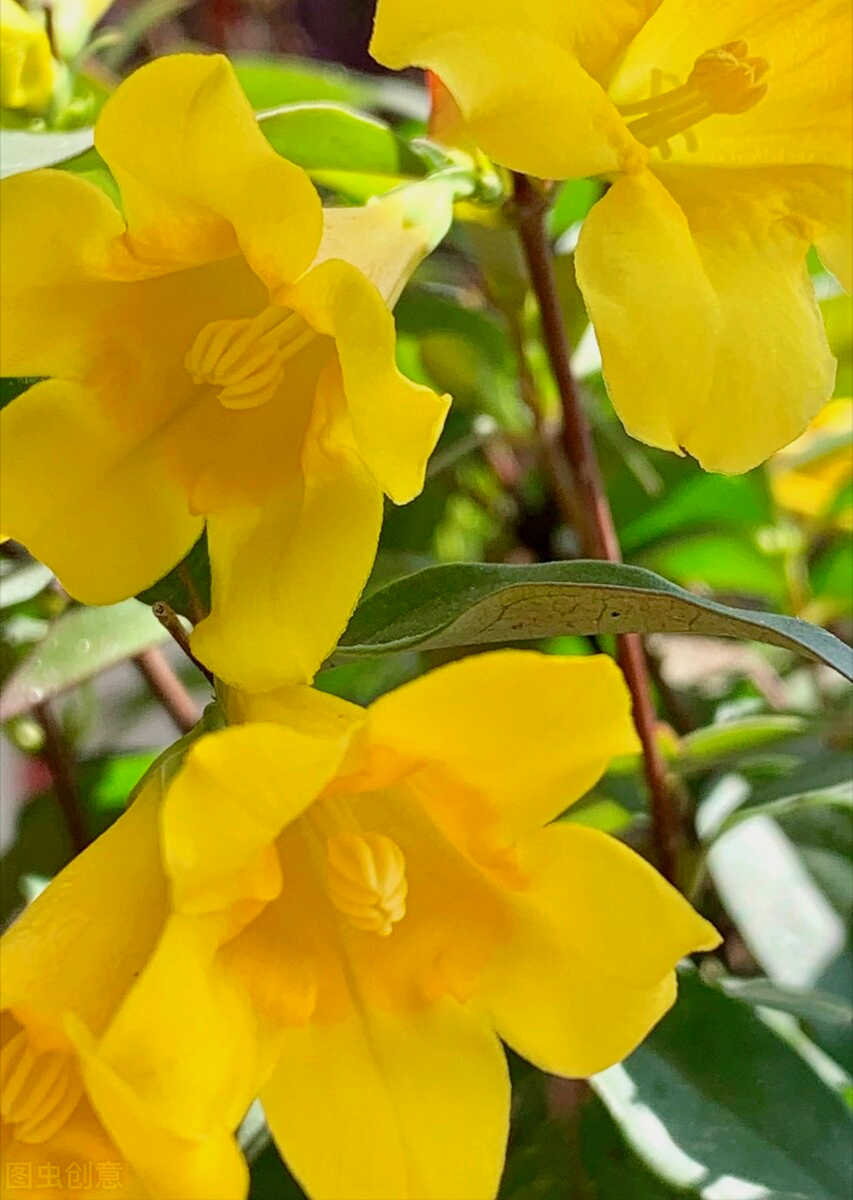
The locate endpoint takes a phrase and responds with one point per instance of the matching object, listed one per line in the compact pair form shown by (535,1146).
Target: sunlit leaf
(21,150)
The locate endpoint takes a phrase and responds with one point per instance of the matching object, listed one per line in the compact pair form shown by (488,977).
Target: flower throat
(245,358)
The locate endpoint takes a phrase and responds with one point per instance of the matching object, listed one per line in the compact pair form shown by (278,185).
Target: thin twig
(196,606)
(597,531)
(61,768)
(170,621)
(168,689)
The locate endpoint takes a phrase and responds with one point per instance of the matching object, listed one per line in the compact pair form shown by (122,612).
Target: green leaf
(22,583)
(332,137)
(809,1004)
(723,562)
(270,1178)
(831,573)
(715,1092)
(466,604)
(90,166)
(840,796)
(729,739)
(42,845)
(574,199)
(21,150)
(269,82)
(79,644)
(700,501)
(617,1172)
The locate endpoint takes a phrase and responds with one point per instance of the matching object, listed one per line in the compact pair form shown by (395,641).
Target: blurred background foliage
(744,1091)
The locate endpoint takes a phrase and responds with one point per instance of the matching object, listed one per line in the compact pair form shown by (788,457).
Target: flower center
(38,1091)
(723,80)
(365,872)
(245,358)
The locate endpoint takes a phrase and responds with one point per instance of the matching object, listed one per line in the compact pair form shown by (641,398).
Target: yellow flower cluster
(343,911)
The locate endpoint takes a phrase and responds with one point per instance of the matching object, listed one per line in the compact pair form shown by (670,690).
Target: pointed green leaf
(467,604)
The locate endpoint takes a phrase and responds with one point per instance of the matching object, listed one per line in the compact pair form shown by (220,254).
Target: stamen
(245,358)
(367,880)
(38,1092)
(723,80)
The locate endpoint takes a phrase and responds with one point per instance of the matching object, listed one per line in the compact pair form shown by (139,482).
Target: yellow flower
(724,129)
(809,475)
(216,355)
(75,1122)
(26,65)
(370,900)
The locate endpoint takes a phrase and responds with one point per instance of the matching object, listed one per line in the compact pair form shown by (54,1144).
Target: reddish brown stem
(168,689)
(170,621)
(598,533)
(61,768)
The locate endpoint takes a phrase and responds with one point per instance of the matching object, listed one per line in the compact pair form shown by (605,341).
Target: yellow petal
(172,1071)
(528,733)
(693,288)
(805,117)
(287,576)
(387,1106)
(589,968)
(395,423)
(237,789)
(835,245)
(197,177)
(382,239)
(80,944)
(184,1039)
(57,230)
(509,80)
(87,499)
(74,1151)
(594,30)
(654,310)
(773,369)
(26,66)
(300,707)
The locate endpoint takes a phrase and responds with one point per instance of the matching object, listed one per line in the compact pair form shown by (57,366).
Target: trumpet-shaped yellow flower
(724,129)
(71,1126)
(215,355)
(26,65)
(370,900)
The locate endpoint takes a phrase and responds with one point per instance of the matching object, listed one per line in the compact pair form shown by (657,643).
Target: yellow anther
(723,80)
(727,80)
(367,880)
(38,1092)
(245,358)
